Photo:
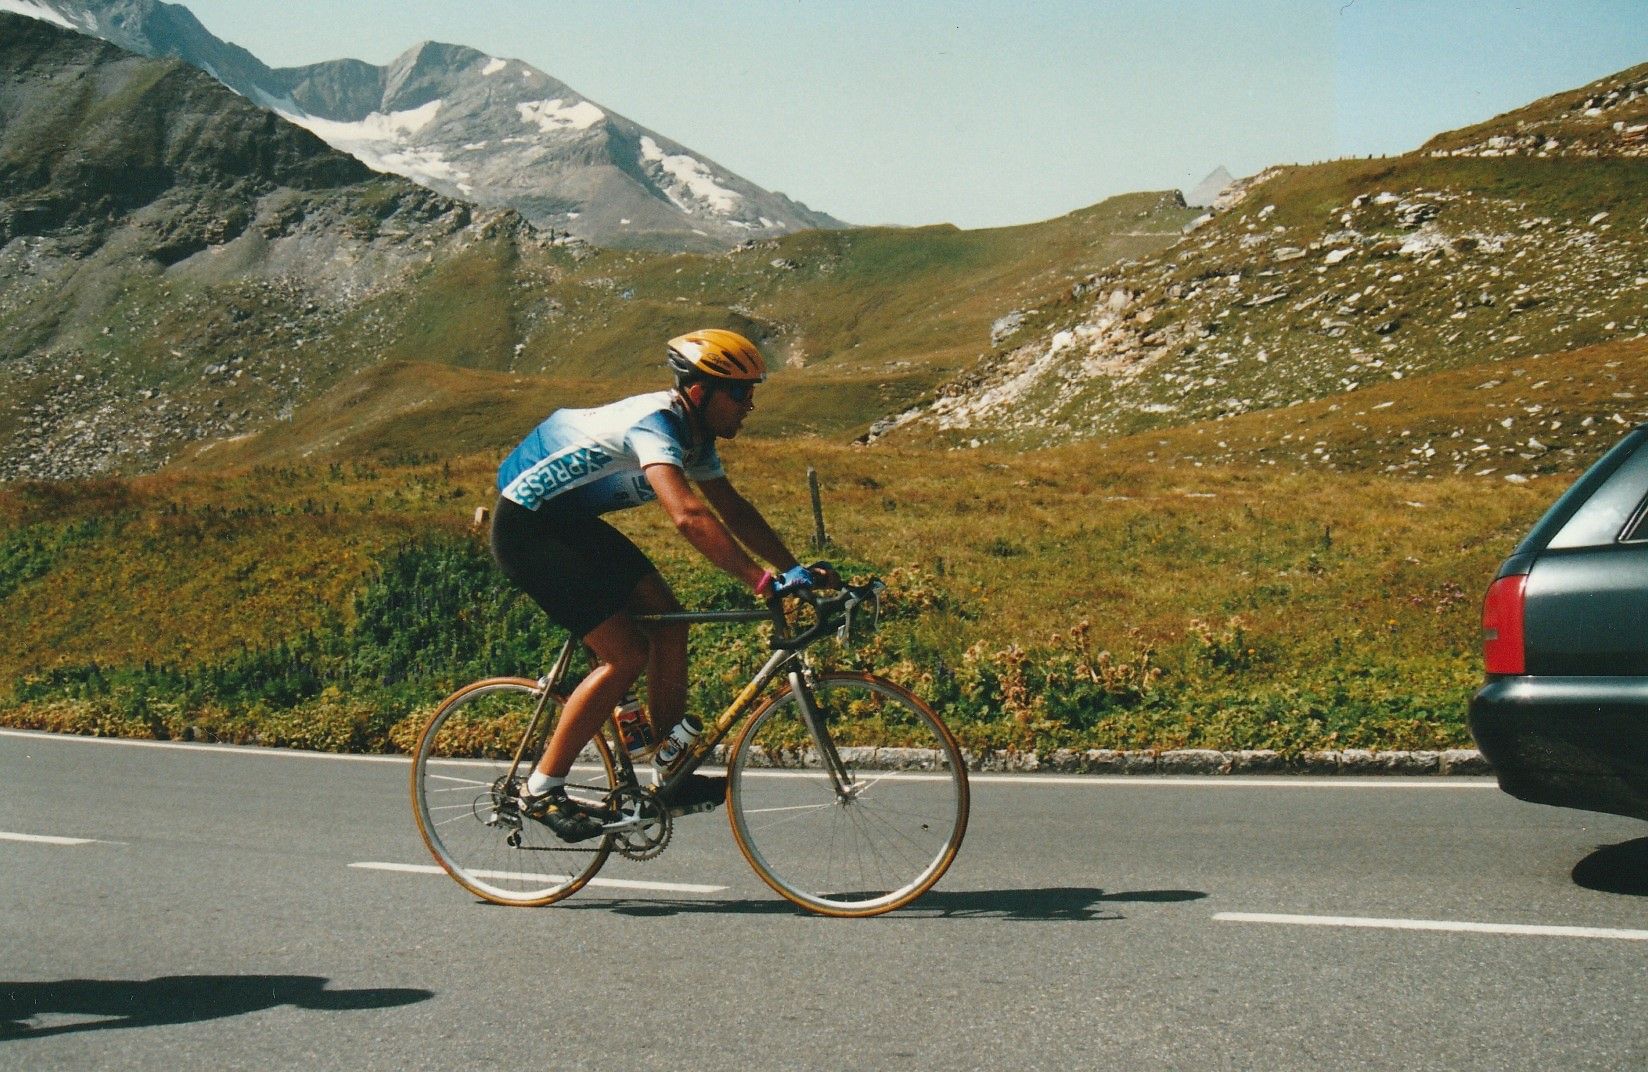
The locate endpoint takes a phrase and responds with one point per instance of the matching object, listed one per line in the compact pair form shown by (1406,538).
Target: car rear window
(1614,511)
(1637,531)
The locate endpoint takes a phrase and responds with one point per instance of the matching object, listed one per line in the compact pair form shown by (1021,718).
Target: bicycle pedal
(693,809)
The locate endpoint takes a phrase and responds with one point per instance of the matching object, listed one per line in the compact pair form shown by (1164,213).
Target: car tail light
(1502,649)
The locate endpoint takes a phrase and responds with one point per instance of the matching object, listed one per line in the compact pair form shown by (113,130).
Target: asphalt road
(206,908)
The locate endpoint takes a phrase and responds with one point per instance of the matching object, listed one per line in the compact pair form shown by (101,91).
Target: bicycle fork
(846,787)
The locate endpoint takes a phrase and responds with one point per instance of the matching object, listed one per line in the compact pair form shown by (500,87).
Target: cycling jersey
(590,461)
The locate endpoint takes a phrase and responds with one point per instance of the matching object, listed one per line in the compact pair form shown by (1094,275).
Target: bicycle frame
(788,653)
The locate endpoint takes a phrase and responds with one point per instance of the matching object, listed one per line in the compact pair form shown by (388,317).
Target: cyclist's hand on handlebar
(793,580)
(798,579)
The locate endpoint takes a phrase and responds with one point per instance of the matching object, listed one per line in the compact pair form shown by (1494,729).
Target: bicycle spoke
(482,728)
(457,819)
(877,845)
(792,807)
(466,806)
(794,818)
(464,783)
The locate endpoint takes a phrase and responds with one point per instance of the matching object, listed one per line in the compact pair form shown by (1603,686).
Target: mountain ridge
(505,134)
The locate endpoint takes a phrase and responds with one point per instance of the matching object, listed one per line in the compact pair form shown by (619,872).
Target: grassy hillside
(857,323)
(1519,237)
(1220,584)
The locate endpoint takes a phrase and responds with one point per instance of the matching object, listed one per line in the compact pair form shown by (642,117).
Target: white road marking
(1524,929)
(1237,781)
(616,883)
(49,839)
(1091,781)
(193,746)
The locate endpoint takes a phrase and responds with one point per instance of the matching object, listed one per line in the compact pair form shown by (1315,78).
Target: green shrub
(435,612)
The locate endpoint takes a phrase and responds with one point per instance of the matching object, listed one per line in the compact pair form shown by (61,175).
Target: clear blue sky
(992,112)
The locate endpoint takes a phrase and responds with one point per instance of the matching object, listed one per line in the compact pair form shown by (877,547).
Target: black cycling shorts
(580,570)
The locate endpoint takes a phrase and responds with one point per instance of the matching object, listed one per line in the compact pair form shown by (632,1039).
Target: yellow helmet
(715,353)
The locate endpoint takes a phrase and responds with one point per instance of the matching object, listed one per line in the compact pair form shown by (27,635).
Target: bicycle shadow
(174,999)
(1621,868)
(1059,903)
(1053,904)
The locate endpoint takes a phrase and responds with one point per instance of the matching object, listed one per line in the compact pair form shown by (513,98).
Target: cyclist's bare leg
(623,650)
(667,664)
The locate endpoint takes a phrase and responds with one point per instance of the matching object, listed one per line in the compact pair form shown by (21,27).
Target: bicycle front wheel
(861,838)
(464,784)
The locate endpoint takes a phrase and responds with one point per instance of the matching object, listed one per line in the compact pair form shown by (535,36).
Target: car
(1562,715)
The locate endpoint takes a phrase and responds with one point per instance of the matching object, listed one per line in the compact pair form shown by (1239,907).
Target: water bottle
(676,744)
(634,728)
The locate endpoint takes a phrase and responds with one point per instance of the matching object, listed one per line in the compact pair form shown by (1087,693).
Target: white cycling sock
(539,783)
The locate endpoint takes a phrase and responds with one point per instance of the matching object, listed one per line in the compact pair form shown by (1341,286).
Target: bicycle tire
(460,798)
(882,845)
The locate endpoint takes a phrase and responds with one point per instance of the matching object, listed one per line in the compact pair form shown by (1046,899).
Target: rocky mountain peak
(169,253)
(1208,190)
(426,72)
(496,132)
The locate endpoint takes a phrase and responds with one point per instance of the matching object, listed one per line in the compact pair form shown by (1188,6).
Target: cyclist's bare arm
(746,523)
(752,530)
(696,521)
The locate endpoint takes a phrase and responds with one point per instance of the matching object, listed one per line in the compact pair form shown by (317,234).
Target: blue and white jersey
(590,461)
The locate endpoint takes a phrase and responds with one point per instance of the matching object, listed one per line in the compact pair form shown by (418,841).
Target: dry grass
(1257,575)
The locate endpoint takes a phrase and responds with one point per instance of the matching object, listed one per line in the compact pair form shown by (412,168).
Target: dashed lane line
(615,883)
(51,839)
(1454,926)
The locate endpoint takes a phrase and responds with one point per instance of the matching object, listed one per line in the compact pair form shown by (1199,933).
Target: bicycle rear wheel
(877,841)
(463,797)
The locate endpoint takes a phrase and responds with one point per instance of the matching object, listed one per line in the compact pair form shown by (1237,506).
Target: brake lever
(855,596)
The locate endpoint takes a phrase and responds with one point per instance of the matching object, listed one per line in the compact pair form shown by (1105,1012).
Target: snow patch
(37,11)
(377,128)
(692,178)
(554,116)
(422,166)
(380,141)
(493,66)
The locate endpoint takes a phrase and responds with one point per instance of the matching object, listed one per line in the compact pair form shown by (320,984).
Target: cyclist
(549,539)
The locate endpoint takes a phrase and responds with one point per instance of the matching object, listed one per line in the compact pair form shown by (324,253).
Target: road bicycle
(846,793)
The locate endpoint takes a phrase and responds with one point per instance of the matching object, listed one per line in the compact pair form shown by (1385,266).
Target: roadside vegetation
(1156,591)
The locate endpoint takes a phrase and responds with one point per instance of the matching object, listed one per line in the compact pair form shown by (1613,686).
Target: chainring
(652,827)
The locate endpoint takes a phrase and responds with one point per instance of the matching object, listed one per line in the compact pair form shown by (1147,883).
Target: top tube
(695,616)
(831,613)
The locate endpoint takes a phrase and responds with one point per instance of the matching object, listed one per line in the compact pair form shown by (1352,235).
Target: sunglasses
(738,390)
